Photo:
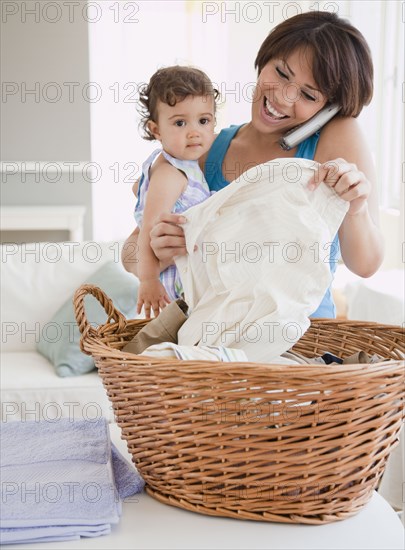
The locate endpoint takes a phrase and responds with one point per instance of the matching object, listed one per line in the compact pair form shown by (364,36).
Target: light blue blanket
(61,480)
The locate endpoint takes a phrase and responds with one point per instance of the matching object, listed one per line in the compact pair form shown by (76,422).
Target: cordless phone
(298,134)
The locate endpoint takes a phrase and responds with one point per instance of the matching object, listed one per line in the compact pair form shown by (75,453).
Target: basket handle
(86,330)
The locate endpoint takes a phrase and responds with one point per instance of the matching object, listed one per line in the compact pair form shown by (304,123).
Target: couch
(37,279)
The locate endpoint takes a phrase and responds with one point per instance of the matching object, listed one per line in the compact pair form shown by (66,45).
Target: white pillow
(38,278)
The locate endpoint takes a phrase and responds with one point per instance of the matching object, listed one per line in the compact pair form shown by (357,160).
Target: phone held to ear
(296,135)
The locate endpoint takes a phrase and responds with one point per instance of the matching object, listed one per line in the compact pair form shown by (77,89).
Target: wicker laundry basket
(297,444)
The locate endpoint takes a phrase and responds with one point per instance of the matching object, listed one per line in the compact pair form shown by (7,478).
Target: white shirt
(262,262)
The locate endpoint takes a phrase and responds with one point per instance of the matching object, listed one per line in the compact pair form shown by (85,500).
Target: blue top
(216,181)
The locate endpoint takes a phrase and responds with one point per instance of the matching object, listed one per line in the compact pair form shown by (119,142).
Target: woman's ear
(153,129)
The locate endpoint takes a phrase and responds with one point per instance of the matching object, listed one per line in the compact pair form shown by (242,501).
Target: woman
(306,62)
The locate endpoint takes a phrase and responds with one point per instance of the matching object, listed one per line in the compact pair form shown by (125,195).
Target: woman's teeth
(272,111)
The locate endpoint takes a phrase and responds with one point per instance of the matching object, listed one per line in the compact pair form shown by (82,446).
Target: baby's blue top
(216,181)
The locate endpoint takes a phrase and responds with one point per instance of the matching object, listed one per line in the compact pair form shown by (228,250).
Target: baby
(178,109)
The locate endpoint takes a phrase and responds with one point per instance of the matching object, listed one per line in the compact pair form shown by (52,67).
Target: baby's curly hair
(171,85)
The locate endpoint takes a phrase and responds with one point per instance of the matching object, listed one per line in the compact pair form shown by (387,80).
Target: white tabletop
(149,524)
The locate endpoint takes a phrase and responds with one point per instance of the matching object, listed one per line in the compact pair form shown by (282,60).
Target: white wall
(123,55)
(46,52)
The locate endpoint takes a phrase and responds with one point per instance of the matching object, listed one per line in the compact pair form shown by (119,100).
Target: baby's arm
(165,186)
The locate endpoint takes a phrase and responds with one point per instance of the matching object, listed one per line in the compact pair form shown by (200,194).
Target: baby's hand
(152,294)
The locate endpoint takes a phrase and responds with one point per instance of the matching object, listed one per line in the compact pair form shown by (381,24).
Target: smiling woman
(332,56)
(323,59)
(286,94)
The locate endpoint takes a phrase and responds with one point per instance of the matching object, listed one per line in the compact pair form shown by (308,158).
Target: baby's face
(185,130)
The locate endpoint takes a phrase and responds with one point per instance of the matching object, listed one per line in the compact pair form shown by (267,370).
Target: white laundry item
(261,266)
(195,353)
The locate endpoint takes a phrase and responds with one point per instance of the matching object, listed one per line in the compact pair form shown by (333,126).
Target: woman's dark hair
(171,85)
(341,59)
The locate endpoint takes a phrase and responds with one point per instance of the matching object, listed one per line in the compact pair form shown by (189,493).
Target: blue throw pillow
(60,342)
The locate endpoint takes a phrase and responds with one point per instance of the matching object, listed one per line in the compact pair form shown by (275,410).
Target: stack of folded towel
(61,480)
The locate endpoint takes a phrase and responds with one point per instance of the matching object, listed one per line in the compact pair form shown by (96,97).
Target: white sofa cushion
(38,278)
(30,390)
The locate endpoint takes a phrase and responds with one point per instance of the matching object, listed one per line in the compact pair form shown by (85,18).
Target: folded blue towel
(127,483)
(64,439)
(61,480)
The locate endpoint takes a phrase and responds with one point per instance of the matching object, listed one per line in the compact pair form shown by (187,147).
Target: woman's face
(286,94)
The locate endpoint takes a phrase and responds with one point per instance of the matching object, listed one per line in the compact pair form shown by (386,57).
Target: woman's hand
(167,238)
(348,182)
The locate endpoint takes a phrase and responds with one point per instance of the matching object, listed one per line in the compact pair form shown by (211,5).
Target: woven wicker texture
(297,444)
